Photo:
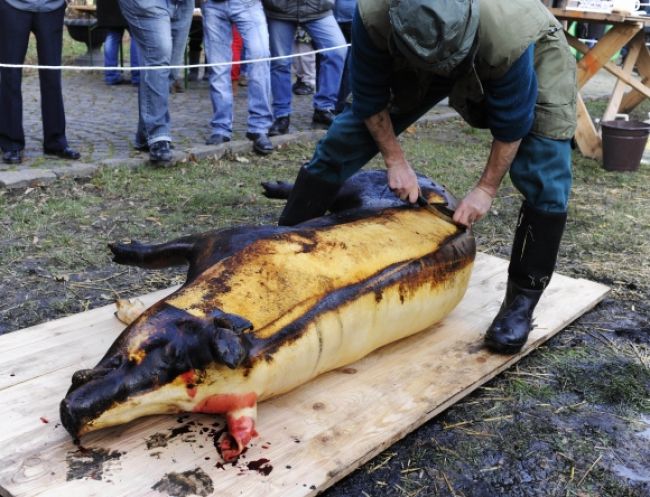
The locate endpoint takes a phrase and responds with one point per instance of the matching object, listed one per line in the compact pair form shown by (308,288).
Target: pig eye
(155,343)
(189,326)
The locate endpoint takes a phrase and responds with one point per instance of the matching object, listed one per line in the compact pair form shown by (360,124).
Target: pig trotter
(277,189)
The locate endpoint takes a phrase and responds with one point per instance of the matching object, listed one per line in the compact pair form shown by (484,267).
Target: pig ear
(228,347)
(231,321)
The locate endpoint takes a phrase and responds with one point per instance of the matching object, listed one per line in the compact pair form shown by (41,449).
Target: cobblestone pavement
(101,122)
(101,119)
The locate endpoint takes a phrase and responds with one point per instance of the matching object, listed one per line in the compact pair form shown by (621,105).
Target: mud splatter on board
(156,440)
(89,463)
(186,431)
(192,482)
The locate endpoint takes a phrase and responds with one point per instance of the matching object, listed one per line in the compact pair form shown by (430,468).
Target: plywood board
(309,438)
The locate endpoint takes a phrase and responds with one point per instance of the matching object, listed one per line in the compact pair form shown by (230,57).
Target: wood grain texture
(311,437)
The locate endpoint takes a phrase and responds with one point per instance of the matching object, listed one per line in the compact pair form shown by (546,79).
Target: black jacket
(298,10)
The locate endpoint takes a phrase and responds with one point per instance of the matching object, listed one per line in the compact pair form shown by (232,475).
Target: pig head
(154,366)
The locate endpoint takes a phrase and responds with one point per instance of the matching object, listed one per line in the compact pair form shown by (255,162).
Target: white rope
(155,68)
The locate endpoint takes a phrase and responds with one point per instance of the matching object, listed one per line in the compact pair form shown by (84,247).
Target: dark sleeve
(369,72)
(510,100)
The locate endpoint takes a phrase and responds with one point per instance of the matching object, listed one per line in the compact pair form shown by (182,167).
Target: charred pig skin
(267,308)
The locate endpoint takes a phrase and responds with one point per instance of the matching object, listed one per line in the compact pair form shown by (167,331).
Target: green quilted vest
(506,29)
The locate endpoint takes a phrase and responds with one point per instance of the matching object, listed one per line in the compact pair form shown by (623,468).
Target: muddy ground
(572,419)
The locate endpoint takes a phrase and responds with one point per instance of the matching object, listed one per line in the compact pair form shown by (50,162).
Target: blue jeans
(156,25)
(248,16)
(111,50)
(325,33)
(541,170)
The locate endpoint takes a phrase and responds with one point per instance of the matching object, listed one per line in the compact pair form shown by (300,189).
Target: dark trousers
(344,90)
(15,27)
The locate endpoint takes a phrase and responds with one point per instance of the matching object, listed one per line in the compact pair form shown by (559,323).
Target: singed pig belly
(288,306)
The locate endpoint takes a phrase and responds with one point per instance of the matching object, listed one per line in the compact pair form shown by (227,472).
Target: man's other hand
(473,207)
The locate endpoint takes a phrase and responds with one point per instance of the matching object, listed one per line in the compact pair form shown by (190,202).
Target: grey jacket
(36,5)
(297,10)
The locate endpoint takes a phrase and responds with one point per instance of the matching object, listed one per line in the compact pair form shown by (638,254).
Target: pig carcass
(267,308)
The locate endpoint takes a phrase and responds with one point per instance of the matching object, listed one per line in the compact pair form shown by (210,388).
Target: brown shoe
(176,87)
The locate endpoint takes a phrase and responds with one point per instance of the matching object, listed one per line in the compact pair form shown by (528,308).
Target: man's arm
(370,81)
(510,103)
(477,202)
(401,177)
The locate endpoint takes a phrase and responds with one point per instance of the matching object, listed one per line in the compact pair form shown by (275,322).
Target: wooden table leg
(587,137)
(634,48)
(635,97)
(613,69)
(604,50)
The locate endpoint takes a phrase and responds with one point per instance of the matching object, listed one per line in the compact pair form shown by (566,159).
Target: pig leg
(277,189)
(174,253)
(241,430)
(241,415)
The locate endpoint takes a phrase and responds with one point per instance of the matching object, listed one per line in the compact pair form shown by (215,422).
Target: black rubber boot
(532,261)
(310,197)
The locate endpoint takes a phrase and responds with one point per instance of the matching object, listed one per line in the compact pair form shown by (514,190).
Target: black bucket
(623,144)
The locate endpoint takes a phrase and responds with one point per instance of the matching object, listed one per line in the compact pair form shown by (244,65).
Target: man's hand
(403,181)
(473,207)
(401,177)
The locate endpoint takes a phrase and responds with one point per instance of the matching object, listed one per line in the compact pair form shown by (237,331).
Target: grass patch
(610,380)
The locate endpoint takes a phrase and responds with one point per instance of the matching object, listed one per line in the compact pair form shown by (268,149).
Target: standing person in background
(17,19)
(343,13)
(237,48)
(160,28)
(248,17)
(304,66)
(195,45)
(111,51)
(176,83)
(316,17)
(110,18)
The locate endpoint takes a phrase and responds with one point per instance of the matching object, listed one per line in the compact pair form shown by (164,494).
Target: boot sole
(502,348)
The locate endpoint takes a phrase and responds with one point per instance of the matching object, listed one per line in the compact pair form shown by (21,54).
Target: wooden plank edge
(351,467)
(4,492)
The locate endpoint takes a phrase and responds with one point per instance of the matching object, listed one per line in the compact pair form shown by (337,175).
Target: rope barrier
(155,68)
